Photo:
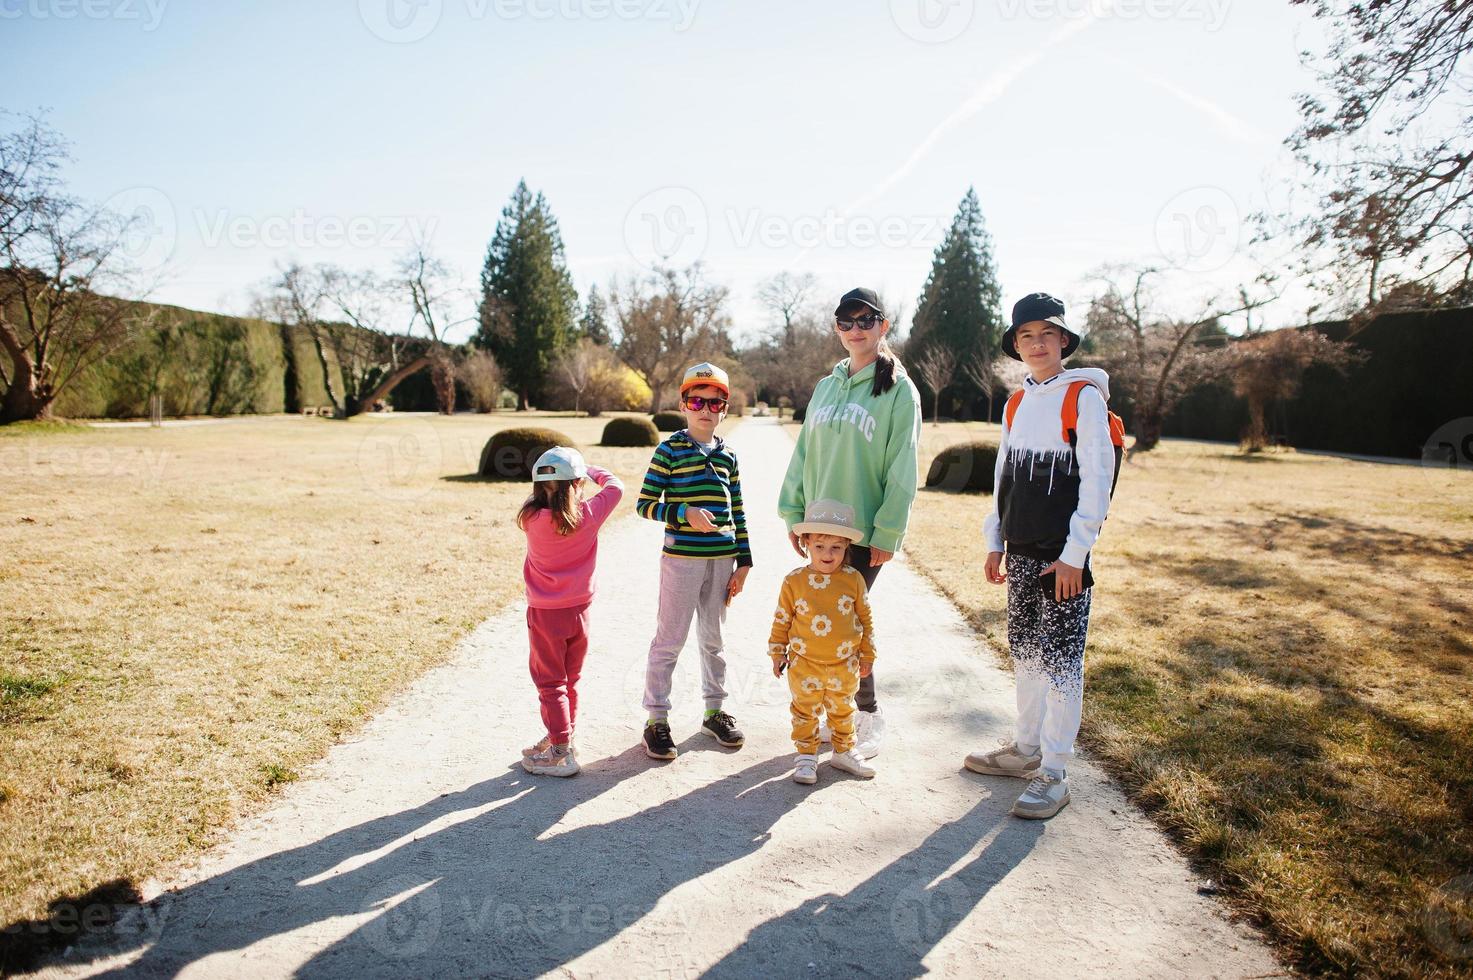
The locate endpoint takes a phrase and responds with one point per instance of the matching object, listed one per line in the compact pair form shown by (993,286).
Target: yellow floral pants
(829,688)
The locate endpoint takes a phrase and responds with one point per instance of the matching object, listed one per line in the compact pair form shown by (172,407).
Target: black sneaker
(657,741)
(722,727)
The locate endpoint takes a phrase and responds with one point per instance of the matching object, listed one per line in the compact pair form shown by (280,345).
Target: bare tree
(666,320)
(980,370)
(1394,201)
(593,375)
(936,366)
(1158,357)
(58,257)
(1269,366)
(787,295)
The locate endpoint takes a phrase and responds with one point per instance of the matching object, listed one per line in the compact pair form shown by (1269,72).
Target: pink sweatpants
(559,643)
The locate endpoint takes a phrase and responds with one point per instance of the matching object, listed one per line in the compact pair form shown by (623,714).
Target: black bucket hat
(1038,306)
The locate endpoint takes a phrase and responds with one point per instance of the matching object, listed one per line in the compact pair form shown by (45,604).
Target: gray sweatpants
(688,587)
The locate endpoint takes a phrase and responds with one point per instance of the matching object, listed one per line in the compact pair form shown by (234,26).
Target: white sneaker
(806,770)
(550,762)
(869,729)
(1045,796)
(825,733)
(853,763)
(1008,760)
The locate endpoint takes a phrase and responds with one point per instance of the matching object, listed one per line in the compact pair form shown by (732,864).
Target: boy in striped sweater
(693,488)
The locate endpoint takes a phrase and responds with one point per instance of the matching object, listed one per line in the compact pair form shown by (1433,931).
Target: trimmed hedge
(511,453)
(630,432)
(966,467)
(668,421)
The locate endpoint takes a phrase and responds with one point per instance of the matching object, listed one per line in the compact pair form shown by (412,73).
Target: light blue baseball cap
(559,463)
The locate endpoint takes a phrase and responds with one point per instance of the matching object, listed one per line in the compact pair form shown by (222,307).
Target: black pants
(864,700)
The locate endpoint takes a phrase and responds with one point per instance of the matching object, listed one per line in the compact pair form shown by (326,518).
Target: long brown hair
(884,370)
(885,357)
(560,498)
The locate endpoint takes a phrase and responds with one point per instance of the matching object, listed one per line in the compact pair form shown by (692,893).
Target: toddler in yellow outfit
(821,636)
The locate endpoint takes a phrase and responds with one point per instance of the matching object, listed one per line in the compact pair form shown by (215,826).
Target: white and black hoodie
(1049,499)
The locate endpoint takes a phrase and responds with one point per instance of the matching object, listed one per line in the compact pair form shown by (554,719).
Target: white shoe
(806,770)
(1045,796)
(869,729)
(1005,761)
(825,733)
(853,763)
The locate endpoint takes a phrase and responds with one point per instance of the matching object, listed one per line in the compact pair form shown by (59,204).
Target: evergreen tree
(528,303)
(595,323)
(960,308)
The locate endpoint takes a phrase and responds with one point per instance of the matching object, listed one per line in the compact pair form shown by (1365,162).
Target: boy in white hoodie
(1051,494)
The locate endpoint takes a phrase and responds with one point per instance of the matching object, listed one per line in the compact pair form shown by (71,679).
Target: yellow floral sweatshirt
(822,618)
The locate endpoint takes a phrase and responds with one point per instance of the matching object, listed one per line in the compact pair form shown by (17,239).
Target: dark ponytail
(884,370)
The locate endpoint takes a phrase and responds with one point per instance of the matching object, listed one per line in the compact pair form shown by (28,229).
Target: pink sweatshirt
(559,568)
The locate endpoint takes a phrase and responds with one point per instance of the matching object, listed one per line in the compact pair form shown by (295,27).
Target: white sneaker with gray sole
(806,769)
(1045,796)
(1005,761)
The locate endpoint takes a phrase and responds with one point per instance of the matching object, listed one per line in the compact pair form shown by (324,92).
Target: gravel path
(420,848)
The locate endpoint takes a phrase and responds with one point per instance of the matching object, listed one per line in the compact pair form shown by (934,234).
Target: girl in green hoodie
(858,445)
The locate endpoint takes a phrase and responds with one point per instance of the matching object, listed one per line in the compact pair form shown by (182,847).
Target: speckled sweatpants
(1046,640)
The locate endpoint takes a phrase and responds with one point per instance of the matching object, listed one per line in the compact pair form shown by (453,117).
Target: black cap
(860,295)
(1038,306)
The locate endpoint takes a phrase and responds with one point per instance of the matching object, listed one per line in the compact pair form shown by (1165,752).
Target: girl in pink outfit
(562,548)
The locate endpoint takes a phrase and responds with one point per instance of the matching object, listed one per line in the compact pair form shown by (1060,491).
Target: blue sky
(828,136)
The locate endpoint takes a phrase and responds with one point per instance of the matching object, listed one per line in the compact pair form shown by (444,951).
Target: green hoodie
(858,449)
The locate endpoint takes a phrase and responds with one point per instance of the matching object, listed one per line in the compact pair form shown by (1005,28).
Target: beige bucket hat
(829,517)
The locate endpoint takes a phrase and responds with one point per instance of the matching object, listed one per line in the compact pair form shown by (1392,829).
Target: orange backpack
(1069,416)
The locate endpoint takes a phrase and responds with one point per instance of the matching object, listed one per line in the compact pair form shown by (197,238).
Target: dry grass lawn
(1280,670)
(191,615)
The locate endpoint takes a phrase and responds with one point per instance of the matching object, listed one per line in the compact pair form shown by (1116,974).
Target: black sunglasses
(863,323)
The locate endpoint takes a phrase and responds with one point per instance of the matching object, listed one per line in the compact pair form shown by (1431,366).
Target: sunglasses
(863,323)
(695,403)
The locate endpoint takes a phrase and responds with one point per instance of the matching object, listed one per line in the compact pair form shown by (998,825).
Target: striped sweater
(681,476)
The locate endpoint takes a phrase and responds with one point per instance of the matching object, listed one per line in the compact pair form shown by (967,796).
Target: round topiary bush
(669,421)
(799,414)
(630,432)
(965,467)
(511,453)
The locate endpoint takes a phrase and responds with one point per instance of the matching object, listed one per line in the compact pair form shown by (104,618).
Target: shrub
(799,414)
(966,466)
(669,421)
(511,453)
(480,377)
(630,432)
